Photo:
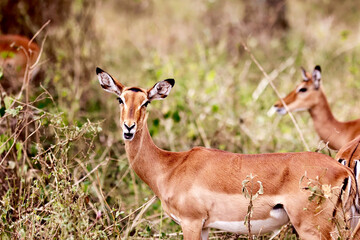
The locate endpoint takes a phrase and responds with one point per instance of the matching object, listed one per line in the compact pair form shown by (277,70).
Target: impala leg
(192,230)
(205,234)
(308,225)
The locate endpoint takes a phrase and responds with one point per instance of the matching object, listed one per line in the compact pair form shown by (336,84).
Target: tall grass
(71,178)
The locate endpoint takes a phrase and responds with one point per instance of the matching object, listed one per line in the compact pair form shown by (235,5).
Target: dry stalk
(136,190)
(89,173)
(143,208)
(277,93)
(264,82)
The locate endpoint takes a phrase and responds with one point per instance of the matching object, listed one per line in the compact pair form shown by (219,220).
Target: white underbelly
(277,218)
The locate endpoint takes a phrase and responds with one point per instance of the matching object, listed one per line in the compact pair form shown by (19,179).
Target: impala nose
(129,128)
(129,131)
(280,108)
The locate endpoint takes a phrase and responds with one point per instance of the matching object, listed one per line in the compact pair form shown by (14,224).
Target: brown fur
(350,152)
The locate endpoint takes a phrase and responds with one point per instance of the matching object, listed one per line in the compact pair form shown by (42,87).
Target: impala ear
(108,83)
(304,75)
(161,89)
(316,76)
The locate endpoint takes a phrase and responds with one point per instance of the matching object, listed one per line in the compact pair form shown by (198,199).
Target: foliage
(248,188)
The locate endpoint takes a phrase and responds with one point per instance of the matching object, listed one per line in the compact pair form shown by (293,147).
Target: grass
(72,178)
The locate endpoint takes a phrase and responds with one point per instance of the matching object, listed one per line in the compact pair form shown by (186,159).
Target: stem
(277,93)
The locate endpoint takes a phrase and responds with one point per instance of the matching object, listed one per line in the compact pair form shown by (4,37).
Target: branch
(277,93)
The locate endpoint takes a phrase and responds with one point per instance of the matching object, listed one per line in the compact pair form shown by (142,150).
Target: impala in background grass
(16,54)
(203,188)
(350,152)
(349,155)
(309,95)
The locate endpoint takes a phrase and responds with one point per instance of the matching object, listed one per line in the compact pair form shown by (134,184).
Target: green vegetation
(67,175)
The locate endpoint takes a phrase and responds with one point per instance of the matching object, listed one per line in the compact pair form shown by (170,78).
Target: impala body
(349,155)
(309,95)
(16,53)
(202,188)
(350,152)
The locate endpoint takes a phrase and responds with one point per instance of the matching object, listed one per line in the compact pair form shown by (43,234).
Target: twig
(89,173)
(104,200)
(264,82)
(37,33)
(15,140)
(137,209)
(144,207)
(136,190)
(202,134)
(118,182)
(277,93)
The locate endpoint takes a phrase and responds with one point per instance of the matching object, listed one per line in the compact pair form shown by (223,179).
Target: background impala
(17,55)
(309,95)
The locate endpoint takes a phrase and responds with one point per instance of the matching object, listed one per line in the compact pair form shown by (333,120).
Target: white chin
(128,136)
(281,111)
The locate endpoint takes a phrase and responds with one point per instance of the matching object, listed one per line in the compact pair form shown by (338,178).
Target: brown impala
(349,155)
(309,95)
(202,188)
(16,53)
(350,152)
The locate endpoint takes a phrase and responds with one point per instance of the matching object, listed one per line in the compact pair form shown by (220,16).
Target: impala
(309,95)
(202,188)
(350,152)
(349,155)
(16,53)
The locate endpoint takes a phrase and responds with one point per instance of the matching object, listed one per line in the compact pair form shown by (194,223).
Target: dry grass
(71,179)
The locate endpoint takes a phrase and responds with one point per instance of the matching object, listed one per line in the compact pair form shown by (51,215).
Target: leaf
(210,76)
(11,164)
(176,116)
(215,108)
(8,101)
(327,190)
(245,182)
(246,193)
(14,111)
(7,54)
(19,148)
(261,190)
(2,110)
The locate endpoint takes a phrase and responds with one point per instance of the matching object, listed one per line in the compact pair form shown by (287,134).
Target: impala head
(133,101)
(305,95)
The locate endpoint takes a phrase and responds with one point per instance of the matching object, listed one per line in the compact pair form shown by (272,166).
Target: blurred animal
(309,95)
(350,152)
(349,155)
(204,188)
(16,52)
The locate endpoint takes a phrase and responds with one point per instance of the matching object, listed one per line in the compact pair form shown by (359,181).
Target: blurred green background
(73,181)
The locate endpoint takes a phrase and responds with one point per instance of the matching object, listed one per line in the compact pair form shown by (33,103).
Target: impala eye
(120,100)
(302,89)
(146,104)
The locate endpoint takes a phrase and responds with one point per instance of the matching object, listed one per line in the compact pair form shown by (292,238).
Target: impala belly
(227,211)
(277,218)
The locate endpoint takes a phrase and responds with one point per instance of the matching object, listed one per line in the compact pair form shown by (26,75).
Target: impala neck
(145,158)
(324,121)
